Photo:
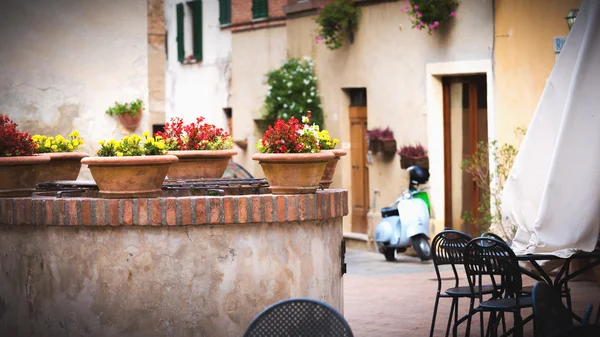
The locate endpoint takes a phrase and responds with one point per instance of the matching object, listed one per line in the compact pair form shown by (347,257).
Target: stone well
(170,266)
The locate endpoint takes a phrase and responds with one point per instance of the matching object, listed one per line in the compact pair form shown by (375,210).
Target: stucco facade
(389,59)
(524,57)
(199,88)
(65,62)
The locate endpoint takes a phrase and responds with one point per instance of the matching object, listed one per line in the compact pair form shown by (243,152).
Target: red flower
(285,137)
(194,136)
(12,141)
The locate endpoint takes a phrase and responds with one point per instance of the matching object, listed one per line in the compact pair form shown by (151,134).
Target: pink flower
(321,7)
(431,26)
(419,14)
(407,8)
(416,7)
(319,39)
(453,14)
(435,24)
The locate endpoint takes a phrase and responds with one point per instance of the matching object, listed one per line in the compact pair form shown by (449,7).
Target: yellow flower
(160,145)
(146,134)
(70,147)
(119,154)
(158,137)
(126,139)
(74,134)
(150,140)
(101,142)
(53,147)
(60,138)
(47,143)
(75,143)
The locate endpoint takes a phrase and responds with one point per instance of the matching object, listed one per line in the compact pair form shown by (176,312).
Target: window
(189,47)
(224,12)
(260,9)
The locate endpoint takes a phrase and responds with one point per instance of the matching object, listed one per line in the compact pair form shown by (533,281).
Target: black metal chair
(447,249)
(299,317)
(551,316)
(491,258)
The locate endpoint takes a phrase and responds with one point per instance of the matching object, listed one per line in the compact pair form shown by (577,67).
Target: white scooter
(406,222)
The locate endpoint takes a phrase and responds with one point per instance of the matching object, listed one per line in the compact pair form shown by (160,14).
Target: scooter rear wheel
(390,254)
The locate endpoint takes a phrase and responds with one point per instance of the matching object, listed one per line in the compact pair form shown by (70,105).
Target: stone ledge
(173,211)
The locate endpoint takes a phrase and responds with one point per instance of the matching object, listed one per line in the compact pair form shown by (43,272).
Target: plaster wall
(64,62)
(161,281)
(255,52)
(389,59)
(202,88)
(524,57)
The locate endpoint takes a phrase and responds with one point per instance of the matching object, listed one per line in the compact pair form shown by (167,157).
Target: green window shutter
(180,40)
(260,9)
(196,7)
(224,12)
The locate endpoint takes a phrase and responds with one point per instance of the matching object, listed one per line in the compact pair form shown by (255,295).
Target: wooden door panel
(360,174)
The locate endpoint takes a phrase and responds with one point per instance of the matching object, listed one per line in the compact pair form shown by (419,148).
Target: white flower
(306,58)
(306,82)
(285,115)
(289,84)
(270,87)
(309,100)
(312,93)
(312,88)
(293,104)
(279,98)
(303,94)
(285,105)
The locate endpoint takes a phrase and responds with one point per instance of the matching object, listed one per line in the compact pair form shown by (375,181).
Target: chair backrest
(299,317)
(447,248)
(493,236)
(551,316)
(491,258)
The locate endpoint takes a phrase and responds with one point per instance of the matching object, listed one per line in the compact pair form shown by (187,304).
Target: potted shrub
(130,168)
(430,14)
(337,20)
(65,161)
(411,155)
(203,149)
(328,144)
(18,161)
(129,113)
(374,139)
(291,158)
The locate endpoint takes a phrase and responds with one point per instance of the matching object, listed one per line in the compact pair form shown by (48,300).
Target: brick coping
(173,211)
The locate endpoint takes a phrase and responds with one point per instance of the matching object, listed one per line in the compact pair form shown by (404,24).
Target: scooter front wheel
(422,247)
(390,254)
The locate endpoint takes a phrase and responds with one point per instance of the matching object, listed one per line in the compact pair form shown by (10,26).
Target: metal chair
(551,316)
(447,249)
(493,259)
(299,317)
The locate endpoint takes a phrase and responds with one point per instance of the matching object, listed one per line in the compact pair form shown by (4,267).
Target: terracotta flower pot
(131,122)
(62,166)
(200,164)
(18,175)
(327,178)
(293,173)
(129,177)
(406,162)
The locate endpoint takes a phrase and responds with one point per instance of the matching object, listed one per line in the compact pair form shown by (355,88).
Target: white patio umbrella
(553,192)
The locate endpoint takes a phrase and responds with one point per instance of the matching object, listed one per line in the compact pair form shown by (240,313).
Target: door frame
(435,124)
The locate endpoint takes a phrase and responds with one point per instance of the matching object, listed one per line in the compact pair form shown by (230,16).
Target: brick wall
(241,14)
(173,211)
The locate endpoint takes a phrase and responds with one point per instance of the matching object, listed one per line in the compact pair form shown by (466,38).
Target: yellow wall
(524,57)
(388,58)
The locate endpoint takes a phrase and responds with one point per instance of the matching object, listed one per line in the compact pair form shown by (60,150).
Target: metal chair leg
(452,309)
(435,307)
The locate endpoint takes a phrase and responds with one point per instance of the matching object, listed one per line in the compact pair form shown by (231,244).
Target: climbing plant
(337,21)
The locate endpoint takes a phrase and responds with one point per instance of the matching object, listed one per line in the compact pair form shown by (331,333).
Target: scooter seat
(389,211)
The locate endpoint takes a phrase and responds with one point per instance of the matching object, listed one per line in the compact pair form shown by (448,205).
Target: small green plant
(337,20)
(130,108)
(490,181)
(292,92)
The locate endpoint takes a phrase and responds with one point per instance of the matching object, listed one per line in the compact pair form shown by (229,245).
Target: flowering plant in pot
(130,168)
(65,159)
(326,143)
(203,149)
(337,20)
(129,113)
(430,14)
(381,140)
(18,161)
(413,155)
(290,156)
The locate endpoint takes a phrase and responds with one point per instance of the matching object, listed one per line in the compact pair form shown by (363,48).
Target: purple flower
(453,14)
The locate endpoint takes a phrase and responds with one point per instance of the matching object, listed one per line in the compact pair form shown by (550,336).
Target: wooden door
(360,172)
(465,125)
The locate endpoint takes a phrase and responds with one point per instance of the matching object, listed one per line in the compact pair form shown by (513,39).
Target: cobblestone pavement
(396,298)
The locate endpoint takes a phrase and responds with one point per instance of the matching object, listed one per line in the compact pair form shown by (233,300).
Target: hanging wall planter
(129,114)
(337,22)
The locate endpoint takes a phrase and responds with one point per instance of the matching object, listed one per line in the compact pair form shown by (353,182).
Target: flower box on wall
(388,146)
(406,162)
(411,155)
